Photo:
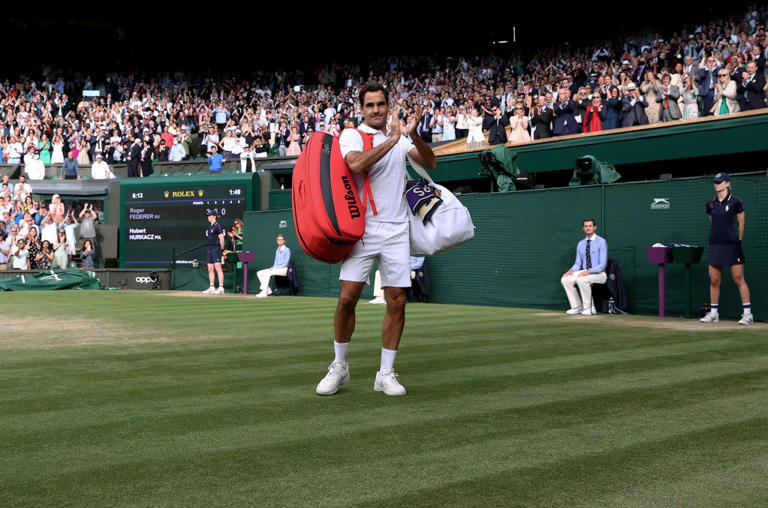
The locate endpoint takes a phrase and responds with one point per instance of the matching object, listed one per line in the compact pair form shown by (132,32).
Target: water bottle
(611,306)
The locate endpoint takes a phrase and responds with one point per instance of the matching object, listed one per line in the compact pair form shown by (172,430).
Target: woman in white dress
(476,138)
(462,128)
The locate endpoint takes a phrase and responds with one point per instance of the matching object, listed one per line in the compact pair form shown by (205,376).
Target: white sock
(340,348)
(713,308)
(387,358)
(747,308)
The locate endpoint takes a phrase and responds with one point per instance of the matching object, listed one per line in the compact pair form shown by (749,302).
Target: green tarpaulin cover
(507,168)
(603,172)
(53,279)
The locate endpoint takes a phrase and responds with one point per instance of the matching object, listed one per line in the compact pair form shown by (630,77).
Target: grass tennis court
(159,398)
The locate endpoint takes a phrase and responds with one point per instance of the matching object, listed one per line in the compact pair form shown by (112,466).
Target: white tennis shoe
(575,310)
(746,319)
(711,317)
(386,381)
(219,290)
(378,300)
(209,291)
(338,374)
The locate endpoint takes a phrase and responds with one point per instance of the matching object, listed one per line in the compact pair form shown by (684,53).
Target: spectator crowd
(717,68)
(36,235)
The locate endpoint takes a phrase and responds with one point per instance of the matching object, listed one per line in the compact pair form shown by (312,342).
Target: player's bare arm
(421,152)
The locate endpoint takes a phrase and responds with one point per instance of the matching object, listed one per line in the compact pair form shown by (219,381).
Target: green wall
(526,240)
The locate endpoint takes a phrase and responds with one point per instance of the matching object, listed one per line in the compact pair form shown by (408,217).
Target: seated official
(588,269)
(378,292)
(279,267)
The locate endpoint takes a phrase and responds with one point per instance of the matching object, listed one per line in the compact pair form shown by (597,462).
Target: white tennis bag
(448,227)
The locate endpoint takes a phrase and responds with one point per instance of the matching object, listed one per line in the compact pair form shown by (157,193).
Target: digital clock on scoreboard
(158,219)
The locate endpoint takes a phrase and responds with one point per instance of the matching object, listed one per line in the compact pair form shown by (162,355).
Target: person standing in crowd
(462,125)
(707,79)
(690,104)
(519,123)
(177,153)
(70,170)
(475,139)
(752,87)
(215,236)
(726,94)
(613,109)
(565,119)
(497,127)
(633,106)
(595,115)
(215,161)
(100,169)
(725,247)
(45,149)
(88,219)
(134,158)
(650,88)
(58,154)
(667,99)
(541,119)
(145,158)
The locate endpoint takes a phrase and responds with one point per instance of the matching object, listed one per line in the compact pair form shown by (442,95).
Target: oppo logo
(145,280)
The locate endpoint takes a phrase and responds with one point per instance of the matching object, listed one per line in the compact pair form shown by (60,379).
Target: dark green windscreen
(526,240)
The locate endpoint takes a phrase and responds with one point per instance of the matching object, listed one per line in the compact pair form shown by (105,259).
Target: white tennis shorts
(389,243)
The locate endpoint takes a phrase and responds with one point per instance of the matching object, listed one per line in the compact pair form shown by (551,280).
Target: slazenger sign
(660,204)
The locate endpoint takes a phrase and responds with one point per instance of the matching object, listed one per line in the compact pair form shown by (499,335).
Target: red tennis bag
(327,212)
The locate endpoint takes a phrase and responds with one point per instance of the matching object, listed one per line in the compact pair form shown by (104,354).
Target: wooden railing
(460,145)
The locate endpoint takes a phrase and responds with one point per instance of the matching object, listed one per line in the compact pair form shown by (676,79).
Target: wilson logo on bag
(327,211)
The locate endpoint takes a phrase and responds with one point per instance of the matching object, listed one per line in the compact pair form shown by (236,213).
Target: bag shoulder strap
(419,169)
(367,191)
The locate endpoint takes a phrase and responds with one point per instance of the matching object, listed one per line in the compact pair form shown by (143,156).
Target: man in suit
(633,106)
(134,157)
(424,128)
(565,122)
(541,119)
(667,99)
(751,88)
(497,132)
(690,68)
(639,71)
(707,79)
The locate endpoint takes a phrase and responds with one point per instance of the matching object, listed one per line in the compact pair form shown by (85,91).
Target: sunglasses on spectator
(722,75)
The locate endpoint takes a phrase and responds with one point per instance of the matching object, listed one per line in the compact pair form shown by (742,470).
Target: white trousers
(579,289)
(266,274)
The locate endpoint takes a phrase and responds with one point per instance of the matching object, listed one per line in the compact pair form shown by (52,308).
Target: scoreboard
(173,214)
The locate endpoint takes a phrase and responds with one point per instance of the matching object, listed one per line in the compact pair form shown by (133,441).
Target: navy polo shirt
(723,215)
(213,232)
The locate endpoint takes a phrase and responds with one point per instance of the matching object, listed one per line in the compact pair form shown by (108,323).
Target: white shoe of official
(209,291)
(220,290)
(386,381)
(575,310)
(589,312)
(263,294)
(711,317)
(746,319)
(269,291)
(338,374)
(378,300)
